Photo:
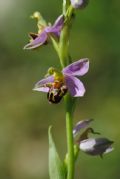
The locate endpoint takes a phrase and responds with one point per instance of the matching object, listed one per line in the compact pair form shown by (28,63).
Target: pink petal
(81,125)
(42,89)
(41,85)
(75,86)
(57,26)
(59,21)
(78,68)
(38,41)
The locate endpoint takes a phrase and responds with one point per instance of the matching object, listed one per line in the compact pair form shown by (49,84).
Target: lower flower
(91,146)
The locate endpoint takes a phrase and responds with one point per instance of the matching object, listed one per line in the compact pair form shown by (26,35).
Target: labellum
(56,92)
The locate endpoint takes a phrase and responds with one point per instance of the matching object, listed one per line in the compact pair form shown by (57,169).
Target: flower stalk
(63,46)
(65,60)
(65,33)
(69,132)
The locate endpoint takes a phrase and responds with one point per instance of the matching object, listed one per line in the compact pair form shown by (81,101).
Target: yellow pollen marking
(58,76)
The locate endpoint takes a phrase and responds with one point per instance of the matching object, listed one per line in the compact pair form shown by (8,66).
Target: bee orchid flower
(58,83)
(44,32)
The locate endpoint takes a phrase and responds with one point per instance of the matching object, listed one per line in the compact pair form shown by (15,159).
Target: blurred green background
(25,115)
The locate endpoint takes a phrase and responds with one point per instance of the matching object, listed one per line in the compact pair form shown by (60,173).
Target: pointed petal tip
(59,21)
(41,89)
(27,47)
(108,150)
(80,94)
(24,48)
(30,47)
(34,89)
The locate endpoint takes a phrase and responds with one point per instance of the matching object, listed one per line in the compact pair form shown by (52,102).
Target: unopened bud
(98,146)
(79,4)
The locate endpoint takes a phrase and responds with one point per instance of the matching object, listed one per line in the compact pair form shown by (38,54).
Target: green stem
(64,37)
(63,47)
(65,60)
(70,144)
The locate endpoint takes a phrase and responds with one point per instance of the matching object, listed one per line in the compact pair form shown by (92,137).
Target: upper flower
(44,31)
(59,82)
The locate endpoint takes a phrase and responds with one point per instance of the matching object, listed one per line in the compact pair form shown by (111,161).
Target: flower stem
(63,46)
(69,129)
(64,59)
(69,102)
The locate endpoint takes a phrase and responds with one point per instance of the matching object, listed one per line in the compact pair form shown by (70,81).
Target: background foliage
(25,115)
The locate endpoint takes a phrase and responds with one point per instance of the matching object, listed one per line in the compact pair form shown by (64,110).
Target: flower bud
(79,4)
(98,146)
(81,125)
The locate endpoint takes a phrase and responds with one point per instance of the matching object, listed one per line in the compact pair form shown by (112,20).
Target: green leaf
(57,169)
